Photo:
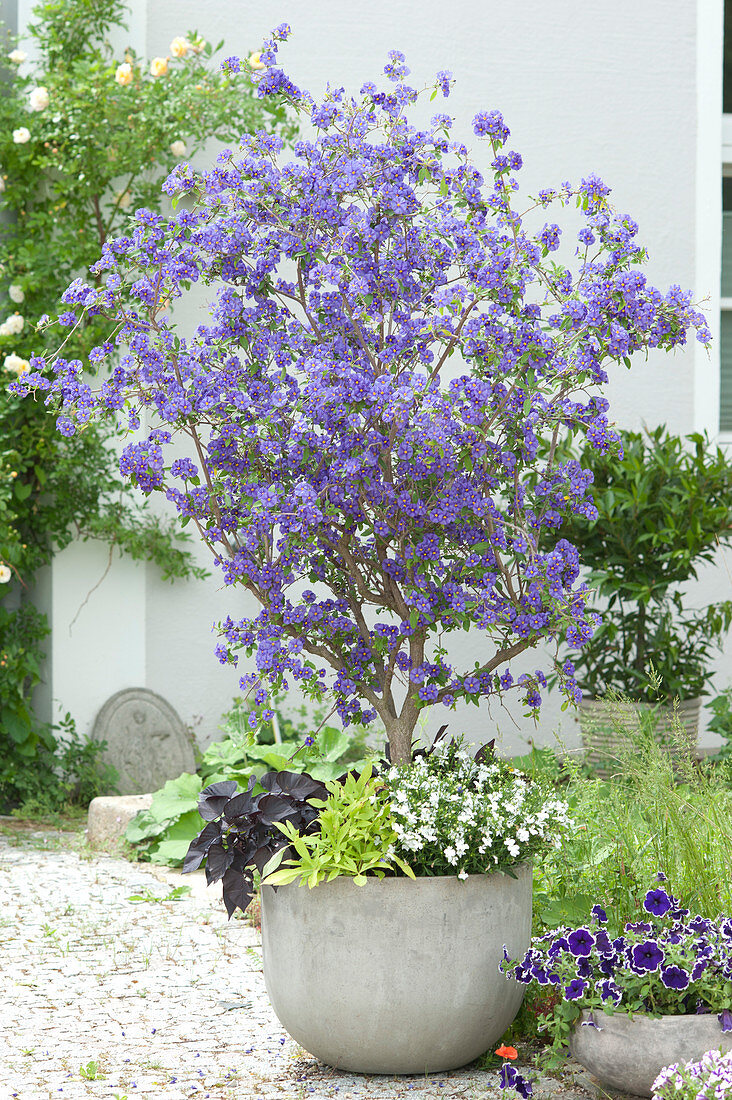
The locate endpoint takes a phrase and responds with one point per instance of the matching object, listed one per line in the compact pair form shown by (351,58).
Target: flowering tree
(371,499)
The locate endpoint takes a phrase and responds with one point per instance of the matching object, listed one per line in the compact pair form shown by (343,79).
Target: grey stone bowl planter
(628,1053)
(399,975)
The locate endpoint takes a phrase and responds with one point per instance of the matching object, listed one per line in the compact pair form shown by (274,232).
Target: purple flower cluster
(372,498)
(667,963)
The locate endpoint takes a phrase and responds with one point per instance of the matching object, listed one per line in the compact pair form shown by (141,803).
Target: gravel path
(105,996)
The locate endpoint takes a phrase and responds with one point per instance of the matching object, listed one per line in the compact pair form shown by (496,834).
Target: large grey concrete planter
(628,1053)
(399,975)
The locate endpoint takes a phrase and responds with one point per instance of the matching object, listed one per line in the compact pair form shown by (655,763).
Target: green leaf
(177,797)
(177,838)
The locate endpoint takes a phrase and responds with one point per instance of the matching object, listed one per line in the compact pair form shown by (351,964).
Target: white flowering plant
(709,1076)
(458,814)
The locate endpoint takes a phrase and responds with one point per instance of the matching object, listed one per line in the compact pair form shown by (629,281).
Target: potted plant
(372,502)
(459,831)
(628,1006)
(664,507)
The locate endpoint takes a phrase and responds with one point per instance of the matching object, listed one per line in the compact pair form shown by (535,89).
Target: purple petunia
(647,955)
(674,977)
(657,902)
(510,1078)
(599,914)
(575,989)
(580,942)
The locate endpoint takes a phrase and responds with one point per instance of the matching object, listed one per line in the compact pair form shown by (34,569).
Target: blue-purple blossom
(510,1078)
(575,989)
(581,941)
(647,955)
(675,977)
(657,902)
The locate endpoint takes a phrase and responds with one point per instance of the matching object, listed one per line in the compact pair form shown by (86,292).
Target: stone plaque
(146,741)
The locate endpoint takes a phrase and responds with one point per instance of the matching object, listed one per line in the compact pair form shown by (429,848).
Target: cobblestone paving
(105,996)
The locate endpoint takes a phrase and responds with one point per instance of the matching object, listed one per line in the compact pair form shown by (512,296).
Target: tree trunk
(399,734)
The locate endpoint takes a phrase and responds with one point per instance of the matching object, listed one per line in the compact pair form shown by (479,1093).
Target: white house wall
(629,90)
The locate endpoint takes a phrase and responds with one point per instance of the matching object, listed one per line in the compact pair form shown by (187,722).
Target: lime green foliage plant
(651,813)
(356,837)
(86,134)
(665,507)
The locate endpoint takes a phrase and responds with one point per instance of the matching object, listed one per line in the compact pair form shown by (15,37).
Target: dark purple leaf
(212,799)
(238,890)
(198,847)
(272,807)
(240,805)
(489,749)
(218,861)
(299,785)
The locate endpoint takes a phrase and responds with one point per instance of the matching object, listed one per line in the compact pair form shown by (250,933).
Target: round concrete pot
(628,1052)
(399,975)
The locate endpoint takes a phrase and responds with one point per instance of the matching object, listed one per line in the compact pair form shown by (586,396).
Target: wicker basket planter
(603,740)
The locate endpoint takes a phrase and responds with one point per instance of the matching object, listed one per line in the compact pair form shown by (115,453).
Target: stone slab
(147,743)
(109,816)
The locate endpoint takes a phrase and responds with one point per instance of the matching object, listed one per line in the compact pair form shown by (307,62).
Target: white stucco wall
(628,90)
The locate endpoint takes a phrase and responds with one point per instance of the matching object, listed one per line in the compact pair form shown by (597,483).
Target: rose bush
(66,179)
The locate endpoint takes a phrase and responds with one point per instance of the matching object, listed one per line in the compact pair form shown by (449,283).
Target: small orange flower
(507,1052)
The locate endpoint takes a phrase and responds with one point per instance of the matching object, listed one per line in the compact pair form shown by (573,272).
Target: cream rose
(255,61)
(21,135)
(17,56)
(5,574)
(12,326)
(39,98)
(124,74)
(16,293)
(178,148)
(159,66)
(15,364)
(179,47)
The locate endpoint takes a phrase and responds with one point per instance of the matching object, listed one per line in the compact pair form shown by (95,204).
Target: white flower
(2,185)
(123,74)
(178,148)
(123,199)
(179,47)
(15,364)
(39,98)
(12,326)
(21,135)
(5,574)
(462,874)
(16,293)
(159,66)
(255,61)
(512,847)
(17,56)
